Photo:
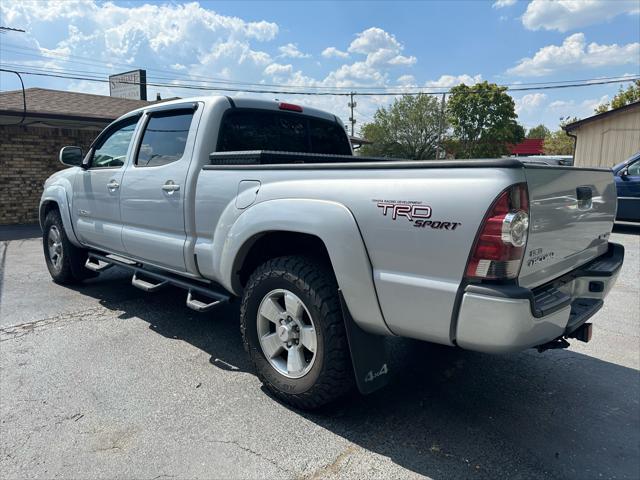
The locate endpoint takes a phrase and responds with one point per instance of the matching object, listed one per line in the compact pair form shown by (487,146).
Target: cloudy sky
(330,46)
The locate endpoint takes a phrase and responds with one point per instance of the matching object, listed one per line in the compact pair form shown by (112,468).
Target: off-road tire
(331,375)
(71,268)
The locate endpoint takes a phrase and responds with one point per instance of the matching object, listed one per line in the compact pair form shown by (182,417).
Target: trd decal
(410,212)
(417,213)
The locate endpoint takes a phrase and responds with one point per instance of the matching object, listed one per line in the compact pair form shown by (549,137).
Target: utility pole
(440,127)
(352,119)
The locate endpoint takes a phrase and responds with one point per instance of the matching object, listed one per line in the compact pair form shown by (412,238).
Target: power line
(88,77)
(24,101)
(92,62)
(11,29)
(213,80)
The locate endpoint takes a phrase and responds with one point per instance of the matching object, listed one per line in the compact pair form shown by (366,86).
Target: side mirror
(624,173)
(71,156)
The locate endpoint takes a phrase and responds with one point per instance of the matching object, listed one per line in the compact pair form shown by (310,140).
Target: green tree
(538,132)
(406,129)
(558,142)
(625,96)
(483,119)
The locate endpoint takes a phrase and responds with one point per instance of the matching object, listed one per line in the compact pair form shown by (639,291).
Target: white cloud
(530,102)
(178,66)
(580,109)
(503,3)
(330,52)
(406,80)
(380,47)
(453,80)
(291,50)
(262,31)
(563,15)
(574,52)
(116,32)
(278,70)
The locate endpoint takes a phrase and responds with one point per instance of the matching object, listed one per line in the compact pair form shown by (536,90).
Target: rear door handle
(113,186)
(170,187)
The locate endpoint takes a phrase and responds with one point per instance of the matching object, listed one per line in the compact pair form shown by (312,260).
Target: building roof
(572,126)
(359,140)
(529,146)
(58,104)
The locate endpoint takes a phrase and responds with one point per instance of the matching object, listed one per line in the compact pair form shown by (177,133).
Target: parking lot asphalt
(106,381)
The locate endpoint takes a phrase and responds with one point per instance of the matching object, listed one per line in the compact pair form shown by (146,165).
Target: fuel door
(247,193)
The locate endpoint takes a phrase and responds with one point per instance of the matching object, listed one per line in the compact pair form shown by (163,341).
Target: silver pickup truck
(331,252)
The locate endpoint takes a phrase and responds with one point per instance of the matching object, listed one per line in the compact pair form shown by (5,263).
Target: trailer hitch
(558,343)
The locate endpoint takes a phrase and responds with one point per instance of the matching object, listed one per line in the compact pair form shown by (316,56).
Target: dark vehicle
(627,176)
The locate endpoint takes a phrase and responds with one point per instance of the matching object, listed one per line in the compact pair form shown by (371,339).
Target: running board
(96,265)
(200,306)
(145,285)
(154,280)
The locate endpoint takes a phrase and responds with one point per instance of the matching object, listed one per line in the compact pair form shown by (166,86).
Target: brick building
(30,142)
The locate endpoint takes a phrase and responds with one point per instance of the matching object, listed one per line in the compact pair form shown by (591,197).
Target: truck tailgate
(571,216)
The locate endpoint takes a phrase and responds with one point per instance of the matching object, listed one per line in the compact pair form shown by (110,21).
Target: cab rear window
(244,130)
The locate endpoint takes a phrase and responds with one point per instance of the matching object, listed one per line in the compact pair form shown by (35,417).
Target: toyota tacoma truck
(331,252)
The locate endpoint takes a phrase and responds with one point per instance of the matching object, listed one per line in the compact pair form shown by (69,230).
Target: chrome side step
(96,265)
(147,286)
(200,306)
(153,280)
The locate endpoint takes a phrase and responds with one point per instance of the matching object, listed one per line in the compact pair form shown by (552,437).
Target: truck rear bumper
(509,318)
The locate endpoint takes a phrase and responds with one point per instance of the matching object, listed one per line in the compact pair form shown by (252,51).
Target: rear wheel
(293,329)
(65,261)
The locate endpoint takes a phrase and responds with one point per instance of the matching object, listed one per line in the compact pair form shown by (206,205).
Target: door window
(165,138)
(111,149)
(634,169)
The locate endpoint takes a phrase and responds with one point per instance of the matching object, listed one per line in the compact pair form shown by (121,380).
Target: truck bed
(280,159)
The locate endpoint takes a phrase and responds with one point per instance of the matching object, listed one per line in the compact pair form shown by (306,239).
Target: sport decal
(415,212)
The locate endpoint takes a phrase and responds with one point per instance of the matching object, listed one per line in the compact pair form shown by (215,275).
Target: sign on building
(131,85)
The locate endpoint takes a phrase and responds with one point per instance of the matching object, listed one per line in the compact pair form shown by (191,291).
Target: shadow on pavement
(19,232)
(627,227)
(448,413)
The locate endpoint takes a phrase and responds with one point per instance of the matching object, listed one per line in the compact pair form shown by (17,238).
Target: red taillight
(290,106)
(498,250)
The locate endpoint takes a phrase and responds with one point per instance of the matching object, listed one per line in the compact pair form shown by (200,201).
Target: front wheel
(65,261)
(293,329)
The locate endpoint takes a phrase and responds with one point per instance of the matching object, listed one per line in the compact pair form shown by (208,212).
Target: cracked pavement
(106,381)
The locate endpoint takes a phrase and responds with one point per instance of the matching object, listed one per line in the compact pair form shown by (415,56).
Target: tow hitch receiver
(583,333)
(553,344)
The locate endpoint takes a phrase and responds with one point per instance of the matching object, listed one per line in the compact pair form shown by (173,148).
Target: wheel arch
(304,226)
(276,243)
(55,197)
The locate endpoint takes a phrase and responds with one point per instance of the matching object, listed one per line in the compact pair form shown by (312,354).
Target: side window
(165,138)
(634,169)
(111,149)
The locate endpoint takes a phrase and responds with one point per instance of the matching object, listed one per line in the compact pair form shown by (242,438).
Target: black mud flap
(368,354)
